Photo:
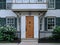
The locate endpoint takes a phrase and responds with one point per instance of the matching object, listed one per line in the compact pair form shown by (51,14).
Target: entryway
(29,27)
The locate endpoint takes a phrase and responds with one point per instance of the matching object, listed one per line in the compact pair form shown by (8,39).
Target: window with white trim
(51,4)
(50,23)
(10,22)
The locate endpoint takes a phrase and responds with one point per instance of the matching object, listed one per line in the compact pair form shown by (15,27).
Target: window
(9,1)
(10,22)
(40,23)
(8,6)
(40,0)
(51,4)
(2,0)
(2,4)
(50,23)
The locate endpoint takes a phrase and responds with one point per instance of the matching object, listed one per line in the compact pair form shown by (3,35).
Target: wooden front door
(29,26)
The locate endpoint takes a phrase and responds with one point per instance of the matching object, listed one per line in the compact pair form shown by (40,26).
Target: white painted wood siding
(26,4)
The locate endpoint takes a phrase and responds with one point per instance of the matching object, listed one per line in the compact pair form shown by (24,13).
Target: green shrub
(7,33)
(56,32)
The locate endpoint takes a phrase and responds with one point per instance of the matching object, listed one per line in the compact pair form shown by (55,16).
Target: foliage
(7,33)
(56,32)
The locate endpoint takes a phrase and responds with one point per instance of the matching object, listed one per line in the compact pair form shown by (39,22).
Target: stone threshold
(29,39)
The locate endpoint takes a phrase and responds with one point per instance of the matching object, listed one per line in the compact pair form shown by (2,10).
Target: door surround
(23,27)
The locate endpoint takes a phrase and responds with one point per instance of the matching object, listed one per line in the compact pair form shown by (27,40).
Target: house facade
(33,19)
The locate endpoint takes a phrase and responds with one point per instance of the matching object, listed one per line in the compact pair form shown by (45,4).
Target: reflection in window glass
(50,23)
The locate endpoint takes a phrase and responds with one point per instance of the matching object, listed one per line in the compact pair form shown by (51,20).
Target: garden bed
(48,40)
(15,41)
(9,35)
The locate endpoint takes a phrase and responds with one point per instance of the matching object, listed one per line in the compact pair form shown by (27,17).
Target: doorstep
(29,40)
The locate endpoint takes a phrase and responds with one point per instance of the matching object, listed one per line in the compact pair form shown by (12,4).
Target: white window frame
(10,20)
(49,3)
(54,23)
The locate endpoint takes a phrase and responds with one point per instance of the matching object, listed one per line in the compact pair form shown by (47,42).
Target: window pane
(3,5)
(26,1)
(19,1)
(33,1)
(39,0)
(51,23)
(3,0)
(9,1)
(11,22)
(0,0)
(0,5)
(57,4)
(51,3)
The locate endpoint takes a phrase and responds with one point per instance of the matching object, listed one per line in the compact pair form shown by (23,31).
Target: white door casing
(23,27)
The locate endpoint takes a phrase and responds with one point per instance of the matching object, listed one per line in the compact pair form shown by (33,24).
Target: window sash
(51,4)
(2,5)
(52,24)
(10,22)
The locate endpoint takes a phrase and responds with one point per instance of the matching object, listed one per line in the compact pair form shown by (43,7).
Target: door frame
(23,26)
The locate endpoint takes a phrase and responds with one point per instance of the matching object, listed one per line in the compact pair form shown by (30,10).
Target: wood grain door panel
(29,26)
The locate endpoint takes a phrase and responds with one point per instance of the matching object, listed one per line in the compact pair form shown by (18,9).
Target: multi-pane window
(10,22)
(2,4)
(40,23)
(50,23)
(51,4)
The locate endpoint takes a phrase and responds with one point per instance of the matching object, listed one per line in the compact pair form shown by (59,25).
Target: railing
(27,1)
(18,34)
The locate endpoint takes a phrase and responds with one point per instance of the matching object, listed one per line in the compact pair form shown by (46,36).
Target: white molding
(18,29)
(23,26)
(36,26)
